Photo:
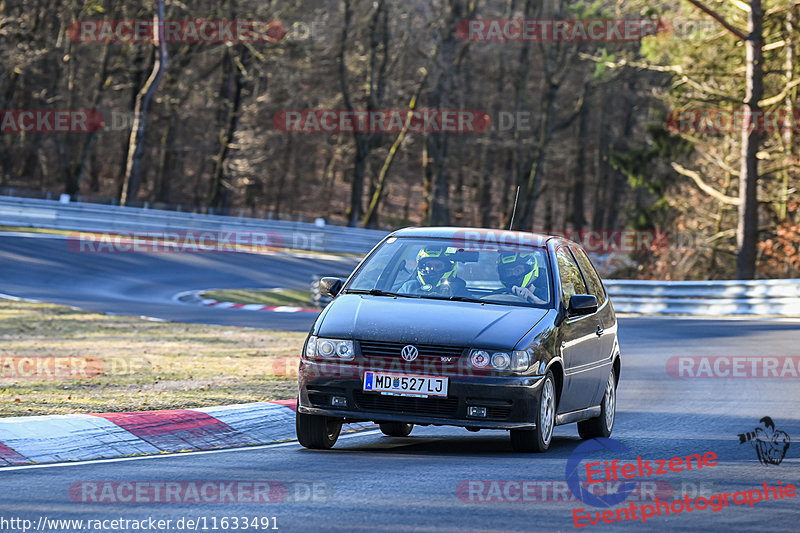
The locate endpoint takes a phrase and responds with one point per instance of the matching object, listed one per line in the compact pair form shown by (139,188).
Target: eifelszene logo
(610,498)
(770,444)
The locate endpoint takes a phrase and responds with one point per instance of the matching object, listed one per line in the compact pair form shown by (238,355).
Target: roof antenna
(514,212)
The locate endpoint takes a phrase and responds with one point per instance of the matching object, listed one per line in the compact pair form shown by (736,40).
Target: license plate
(404,384)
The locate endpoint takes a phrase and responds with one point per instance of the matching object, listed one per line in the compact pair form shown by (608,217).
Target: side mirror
(331,287)
(582,304)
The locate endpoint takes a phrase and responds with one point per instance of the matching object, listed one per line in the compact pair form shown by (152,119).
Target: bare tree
(132,177)
(747,228)
(376,85)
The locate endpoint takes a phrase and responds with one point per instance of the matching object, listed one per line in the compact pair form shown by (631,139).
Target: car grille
(444,407)
(428,361)
(393,349)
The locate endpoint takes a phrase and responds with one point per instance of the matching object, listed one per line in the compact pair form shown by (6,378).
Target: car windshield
(447,269)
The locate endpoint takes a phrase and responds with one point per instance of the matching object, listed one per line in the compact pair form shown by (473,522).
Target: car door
(604,319)
(579,340)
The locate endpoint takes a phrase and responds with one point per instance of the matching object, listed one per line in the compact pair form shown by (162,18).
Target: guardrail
(779,297)
(728,297)
(77,216)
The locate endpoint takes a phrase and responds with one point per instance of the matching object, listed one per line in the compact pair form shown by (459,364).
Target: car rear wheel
(396,429)
(317,432)
(602,425)
(538,440)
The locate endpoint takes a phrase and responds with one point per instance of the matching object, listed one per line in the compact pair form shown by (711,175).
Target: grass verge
(143,364)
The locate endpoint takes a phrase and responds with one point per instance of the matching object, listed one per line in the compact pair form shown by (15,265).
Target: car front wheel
(538,440)
(602,425)
(317,432)
(396,429)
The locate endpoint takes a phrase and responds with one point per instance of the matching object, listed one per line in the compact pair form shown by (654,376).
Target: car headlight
(500,361)
(517,361)
(521,360)
(479,358)
(311,347)
(329,348)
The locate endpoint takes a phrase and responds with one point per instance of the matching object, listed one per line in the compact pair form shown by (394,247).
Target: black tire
(538,440)
(602,425)
(317,432)
(396,429)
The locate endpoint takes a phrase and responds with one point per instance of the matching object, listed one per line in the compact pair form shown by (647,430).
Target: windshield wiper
(453,298)
(466,299)
(378,292)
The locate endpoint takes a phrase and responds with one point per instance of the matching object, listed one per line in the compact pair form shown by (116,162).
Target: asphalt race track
(42,267)
(374,483)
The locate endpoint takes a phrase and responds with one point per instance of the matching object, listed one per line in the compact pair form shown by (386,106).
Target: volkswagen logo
(409,353)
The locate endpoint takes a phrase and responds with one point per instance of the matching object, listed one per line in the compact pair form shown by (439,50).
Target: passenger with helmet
(435,275)
(519,273)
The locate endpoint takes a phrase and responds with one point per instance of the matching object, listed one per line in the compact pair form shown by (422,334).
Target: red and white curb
(193,297)
(83,437)
(257,307)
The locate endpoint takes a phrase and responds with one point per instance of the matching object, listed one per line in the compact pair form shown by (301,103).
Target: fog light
(338,401)
(476,412)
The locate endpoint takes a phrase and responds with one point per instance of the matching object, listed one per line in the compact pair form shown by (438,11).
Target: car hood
(423,321)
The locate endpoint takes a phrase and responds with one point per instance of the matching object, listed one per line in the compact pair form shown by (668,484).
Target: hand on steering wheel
(526,294)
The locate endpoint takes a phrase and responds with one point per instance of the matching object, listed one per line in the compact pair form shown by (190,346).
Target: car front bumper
(510,402)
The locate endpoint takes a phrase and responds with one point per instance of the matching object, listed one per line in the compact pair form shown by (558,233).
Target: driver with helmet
(519,274)
(435,275)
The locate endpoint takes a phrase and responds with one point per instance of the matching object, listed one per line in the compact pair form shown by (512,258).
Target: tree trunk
(231,96)
(791,94)
(132,177)
(533,183)
(89,143)
(165,163)
(747,230)
(376,81)
(437,172)
(579,189)
(370,219)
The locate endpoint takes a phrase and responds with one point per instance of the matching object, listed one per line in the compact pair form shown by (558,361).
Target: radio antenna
(514,212)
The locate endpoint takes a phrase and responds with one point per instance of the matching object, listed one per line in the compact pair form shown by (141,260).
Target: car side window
(590,275)
(569,274)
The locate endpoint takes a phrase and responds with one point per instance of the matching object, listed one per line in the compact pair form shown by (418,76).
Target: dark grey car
(477,328)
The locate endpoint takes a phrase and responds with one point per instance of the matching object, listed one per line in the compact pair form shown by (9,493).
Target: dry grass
(146,365)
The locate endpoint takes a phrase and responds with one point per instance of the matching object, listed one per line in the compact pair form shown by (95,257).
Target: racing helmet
(433,266)
(517,269)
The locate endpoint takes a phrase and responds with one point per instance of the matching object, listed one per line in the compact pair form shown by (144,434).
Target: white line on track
(178,454)
(33,235)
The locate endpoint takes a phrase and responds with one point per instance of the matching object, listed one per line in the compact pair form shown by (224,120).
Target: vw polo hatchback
(477,328)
